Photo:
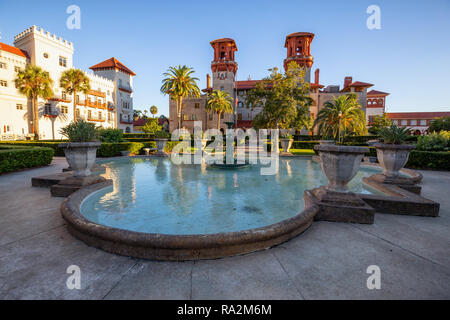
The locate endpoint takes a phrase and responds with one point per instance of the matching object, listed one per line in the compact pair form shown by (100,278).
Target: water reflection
(154,195)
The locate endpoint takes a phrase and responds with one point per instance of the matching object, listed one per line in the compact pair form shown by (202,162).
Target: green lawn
(303,152)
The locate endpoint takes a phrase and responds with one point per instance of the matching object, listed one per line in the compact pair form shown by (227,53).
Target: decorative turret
(299,50)
(223,66)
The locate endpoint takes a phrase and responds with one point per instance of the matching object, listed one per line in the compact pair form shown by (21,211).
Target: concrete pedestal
(404,183)
(338,206)
(69,185)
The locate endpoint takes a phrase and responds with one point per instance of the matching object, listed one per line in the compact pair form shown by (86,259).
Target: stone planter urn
(336,203)
(80,156)
(160,145)
(286,144)
(340,164)
(393,157)
(125,153)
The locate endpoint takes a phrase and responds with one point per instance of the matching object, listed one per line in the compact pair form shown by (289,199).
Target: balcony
(92,104)
(125,121)
(97,93)
(61,98)
(126,89)
(96,119)
(50,114)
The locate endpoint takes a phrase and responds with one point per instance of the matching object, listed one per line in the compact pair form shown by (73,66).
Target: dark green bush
(148,136)
(54,145)
(110,135)
(114,149)
(13,158)
(429,160)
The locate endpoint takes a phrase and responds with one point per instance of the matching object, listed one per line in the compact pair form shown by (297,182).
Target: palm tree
(153,110)
(179,84)
(343,114)
(74,81)
(219,102)
(34,83)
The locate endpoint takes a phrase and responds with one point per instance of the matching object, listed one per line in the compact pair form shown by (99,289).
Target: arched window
(128,130)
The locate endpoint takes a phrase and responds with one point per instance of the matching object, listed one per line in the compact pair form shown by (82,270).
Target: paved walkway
(328,261)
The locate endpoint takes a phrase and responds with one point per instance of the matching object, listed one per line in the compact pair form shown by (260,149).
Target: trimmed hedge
(52,144)
(148,136)
(429,160)
(13,158)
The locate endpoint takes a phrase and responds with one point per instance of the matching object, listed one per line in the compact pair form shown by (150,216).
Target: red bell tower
(299,50)
(223,66)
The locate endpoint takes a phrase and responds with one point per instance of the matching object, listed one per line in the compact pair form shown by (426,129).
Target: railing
(92,104)
(50,114)
(126,89)
(61,98)
(96,119)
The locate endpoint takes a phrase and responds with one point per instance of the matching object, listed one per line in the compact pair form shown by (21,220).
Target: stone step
(49,180)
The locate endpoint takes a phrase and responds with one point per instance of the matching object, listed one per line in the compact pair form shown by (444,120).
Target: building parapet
(42,32)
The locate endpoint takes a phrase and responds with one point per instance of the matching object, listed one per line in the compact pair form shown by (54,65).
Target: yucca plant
(394,134)
(80,131)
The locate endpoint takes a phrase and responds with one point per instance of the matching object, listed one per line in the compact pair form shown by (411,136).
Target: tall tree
(180,84)
(284,97)
(74,81)
(153,110)
(341,116)
(440,124)
(219,102)
(34,83)
(379,122)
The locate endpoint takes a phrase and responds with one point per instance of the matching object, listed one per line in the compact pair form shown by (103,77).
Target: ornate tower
(223,66)
(299,50)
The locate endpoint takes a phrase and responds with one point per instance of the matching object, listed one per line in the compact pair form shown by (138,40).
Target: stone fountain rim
(177,247)
(80,144)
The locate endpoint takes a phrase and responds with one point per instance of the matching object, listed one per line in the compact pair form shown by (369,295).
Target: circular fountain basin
(158,210)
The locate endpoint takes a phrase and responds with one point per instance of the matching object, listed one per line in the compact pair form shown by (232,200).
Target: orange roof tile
(247,84)
(114,64)
(357,84)
(298,34)
(377,93)
(417,115)
(14,50)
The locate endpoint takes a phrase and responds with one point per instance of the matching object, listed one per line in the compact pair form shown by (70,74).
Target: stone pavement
(328,261)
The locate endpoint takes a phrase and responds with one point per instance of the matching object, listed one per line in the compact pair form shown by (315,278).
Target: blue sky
(409,57)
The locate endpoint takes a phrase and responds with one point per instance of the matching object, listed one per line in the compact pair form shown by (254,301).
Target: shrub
(114,149)
(429,160)
(434,142)
(80,131)
(170,145)
(394,134)
(54,145)
(151,126)
(148,136)
(13,158)
(110,135)
(162,135)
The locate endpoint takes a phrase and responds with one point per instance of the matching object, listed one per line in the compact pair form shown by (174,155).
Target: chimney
(347,81)
(208,81)
(316,76)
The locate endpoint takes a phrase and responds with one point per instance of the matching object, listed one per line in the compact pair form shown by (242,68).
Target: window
(89,114)
(413,122)
(371,119)
(16,69)
(221,116)
(210,117)
(404,122)
(3,65)
(65,109)
(240,104)
(423,122)
(197,105)
(100,115)
(62,61)
(194,117)
(3,83)
(395,122)
(109,116)
(19,106)
(77,113)
(185,117)
(64,95)
(109,92)
(222,88)
(48,108)
(45,55)
(77,99)
(239,116)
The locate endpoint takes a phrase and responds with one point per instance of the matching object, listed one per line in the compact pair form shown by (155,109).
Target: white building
(109,103)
